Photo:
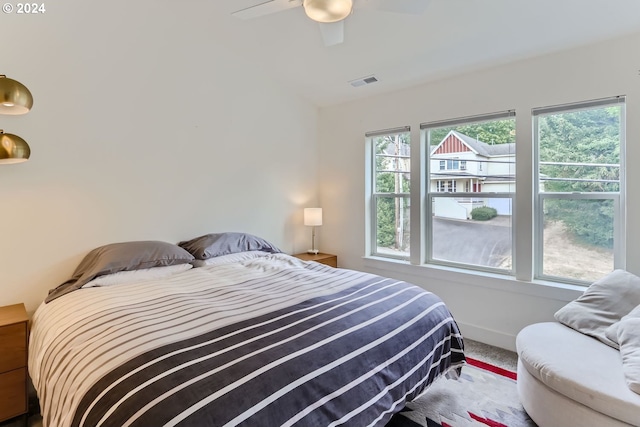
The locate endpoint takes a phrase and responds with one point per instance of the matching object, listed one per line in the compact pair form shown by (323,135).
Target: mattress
(269,341)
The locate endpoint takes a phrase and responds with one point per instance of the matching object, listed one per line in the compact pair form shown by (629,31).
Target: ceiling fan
(330,14)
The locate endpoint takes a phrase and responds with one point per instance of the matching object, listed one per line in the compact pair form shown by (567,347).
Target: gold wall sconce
(13,149)
(15,99)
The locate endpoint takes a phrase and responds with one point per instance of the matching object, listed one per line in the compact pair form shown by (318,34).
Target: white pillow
(629,339)
(602,304)
(612,331)
(229,258)
(135,276)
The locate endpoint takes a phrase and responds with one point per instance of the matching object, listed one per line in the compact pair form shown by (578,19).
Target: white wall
(143,127)
(489,308)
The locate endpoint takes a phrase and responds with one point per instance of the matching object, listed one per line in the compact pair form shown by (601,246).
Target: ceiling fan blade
(332,33)
(266,8)
(412,7)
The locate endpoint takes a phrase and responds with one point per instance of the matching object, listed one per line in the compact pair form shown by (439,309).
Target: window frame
(375,196)
(526,252)
(619,223)
(427,233)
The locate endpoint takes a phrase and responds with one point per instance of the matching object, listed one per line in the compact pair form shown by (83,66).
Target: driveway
(485,243)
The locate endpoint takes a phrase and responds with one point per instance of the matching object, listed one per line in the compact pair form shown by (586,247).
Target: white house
(461,164)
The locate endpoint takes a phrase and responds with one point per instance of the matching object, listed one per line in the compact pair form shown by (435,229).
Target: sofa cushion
(578,367)
(604,303)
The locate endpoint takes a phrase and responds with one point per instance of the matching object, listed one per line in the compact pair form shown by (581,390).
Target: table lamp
(313,218)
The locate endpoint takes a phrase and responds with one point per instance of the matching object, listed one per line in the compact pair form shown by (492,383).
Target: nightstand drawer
(13,393)
(326,259)
(13,346)
(331,261)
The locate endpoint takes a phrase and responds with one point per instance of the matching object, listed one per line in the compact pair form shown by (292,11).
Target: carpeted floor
(484,395)
(494,355)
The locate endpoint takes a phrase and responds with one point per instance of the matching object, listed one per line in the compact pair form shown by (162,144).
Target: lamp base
(313,251)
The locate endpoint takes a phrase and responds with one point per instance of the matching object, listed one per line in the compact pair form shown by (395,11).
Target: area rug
(484,395)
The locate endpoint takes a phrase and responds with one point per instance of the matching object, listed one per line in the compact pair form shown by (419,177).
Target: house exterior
(461,164)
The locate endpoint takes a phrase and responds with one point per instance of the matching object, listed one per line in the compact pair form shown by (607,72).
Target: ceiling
(451,37)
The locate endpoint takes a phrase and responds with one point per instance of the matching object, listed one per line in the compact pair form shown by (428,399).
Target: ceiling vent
(363,81)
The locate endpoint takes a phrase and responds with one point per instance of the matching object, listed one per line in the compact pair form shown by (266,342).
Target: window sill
(536,288)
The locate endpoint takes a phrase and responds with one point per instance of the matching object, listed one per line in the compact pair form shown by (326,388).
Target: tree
(392,177)
(578,140)
(493,132)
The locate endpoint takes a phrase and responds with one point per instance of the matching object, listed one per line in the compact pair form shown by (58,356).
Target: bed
(233,333)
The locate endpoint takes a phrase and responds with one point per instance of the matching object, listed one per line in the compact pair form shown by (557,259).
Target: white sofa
(566,379)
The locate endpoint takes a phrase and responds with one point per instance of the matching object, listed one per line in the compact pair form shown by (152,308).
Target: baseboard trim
(488,336)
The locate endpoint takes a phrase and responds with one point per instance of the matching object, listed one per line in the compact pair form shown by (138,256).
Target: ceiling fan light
(328,11)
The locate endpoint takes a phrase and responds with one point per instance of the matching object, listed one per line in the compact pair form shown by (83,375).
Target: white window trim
(524,224)
(618,198)
(426,250)
(429,243)
(373,196)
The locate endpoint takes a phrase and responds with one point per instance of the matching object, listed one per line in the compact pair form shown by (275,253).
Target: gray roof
(484,149)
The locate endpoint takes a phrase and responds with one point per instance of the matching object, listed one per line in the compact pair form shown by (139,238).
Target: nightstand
(13,361)
(326,259)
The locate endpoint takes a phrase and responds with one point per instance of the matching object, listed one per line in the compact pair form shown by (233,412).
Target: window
(446,187)
(579,214)
(472,229)
(464,183)
(453,164)
(391,190)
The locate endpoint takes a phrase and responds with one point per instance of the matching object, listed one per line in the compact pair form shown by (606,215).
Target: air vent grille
(363,81)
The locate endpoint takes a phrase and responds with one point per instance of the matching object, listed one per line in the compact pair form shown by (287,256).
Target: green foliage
(484,213)
(392,176)
(589,221)
(386,233)
(493,132)
(584,136)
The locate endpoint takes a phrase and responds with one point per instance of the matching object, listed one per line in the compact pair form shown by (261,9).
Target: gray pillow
(604,303)
(124,256)
(629,339)
(216,244)
(612,331)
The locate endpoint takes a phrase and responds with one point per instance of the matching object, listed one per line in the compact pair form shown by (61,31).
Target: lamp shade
(15,98)
(13,149)
(313,216)
(327,10)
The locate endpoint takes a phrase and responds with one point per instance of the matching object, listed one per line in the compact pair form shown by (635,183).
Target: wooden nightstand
(13,361)
(326,259)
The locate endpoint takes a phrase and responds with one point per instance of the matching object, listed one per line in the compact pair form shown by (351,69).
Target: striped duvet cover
(268,341)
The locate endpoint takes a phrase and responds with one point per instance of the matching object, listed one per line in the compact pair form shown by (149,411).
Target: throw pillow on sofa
(629,339)
(612,331)
(604,303)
